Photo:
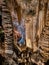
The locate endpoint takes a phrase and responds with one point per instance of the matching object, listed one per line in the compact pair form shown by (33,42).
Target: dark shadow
(47,63)
(1,59)
(1,30)
(33,63)
(0,20)
(21,63)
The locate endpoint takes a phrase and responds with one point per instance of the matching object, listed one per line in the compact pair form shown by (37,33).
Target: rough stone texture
(36,15)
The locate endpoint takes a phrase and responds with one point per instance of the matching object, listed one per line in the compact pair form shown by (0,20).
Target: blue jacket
(21,29)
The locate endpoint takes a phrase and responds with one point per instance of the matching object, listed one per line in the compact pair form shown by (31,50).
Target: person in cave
(19,30)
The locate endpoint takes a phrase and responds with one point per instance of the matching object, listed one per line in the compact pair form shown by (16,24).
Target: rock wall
(36,16)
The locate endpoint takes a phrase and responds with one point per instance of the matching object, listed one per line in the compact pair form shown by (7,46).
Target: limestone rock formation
(36,16)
